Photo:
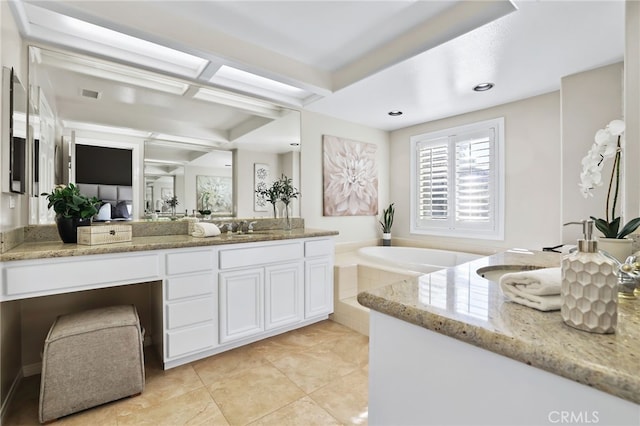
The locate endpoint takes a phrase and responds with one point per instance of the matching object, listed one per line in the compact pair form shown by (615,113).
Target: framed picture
(350,177)
(261,174)
(166,193)
(214,193)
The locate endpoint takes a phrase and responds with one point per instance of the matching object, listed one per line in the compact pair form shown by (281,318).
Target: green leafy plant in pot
(72,210)
(270,195)
(387,222)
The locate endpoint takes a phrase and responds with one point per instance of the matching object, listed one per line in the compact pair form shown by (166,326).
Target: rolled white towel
(203,229)
(539,289)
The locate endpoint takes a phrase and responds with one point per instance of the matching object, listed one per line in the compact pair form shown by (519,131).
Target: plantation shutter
(433,180)
(474,177)
(456,181)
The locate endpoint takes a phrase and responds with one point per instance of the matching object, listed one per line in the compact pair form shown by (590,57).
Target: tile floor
(316,375)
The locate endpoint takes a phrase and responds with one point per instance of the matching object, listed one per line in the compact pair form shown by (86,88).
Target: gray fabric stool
(91,358)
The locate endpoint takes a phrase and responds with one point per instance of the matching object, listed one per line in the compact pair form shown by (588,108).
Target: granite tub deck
(458,303)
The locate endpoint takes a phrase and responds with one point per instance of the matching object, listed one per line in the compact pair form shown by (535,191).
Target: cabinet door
(318,287)
(283,295)
(241,300)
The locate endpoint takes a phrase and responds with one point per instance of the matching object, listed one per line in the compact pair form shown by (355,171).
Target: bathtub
(374,267)
(416,259)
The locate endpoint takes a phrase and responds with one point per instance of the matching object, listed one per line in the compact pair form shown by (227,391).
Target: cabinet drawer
(261,254)
(73,274)
(190,286)
(180,314)
(318,248)
(190,261)
(191,340)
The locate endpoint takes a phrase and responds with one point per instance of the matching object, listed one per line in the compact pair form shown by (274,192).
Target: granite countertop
(457,302)
(50,249)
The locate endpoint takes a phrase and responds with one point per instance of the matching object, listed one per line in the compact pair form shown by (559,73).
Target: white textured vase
(620,248)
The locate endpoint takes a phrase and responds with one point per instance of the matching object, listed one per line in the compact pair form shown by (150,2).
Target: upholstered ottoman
(90,358)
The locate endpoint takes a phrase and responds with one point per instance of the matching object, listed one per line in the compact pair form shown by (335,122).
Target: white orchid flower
(616,127)
(603,136)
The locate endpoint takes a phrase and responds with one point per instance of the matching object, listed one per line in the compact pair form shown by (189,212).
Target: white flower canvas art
(350,177)
(214,193)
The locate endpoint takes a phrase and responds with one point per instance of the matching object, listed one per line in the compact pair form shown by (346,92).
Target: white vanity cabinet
(318,278)
(190,301)
(205,299)
(261,288)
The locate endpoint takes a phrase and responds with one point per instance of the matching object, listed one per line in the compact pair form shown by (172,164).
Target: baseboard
(31,369)
(12,391)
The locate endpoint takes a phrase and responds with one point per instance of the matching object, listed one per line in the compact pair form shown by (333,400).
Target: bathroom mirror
(15,147)
(204,140)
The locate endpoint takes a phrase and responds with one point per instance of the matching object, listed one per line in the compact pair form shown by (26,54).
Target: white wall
(632,109)
(532,176)
(590,100)
(13,54)
(351,228)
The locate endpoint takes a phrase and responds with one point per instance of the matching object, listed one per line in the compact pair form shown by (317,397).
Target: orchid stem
(615,172)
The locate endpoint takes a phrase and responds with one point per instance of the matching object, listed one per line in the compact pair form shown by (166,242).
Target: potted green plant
(72,210)
(287,193)
(173,203)
(271,195)
(387,222)
(206,213)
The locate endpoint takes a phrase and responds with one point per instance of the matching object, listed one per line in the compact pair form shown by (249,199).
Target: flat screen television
(103,165)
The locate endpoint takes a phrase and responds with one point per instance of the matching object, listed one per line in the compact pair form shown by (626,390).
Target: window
(458,181)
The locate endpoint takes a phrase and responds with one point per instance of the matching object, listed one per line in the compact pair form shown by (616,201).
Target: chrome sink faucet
(241,226)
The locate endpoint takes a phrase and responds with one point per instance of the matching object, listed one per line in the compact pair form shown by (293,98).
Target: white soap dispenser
(589,290)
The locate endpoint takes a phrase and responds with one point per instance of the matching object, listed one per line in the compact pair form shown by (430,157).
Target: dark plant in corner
(68,202)
(607,145)
(387,219)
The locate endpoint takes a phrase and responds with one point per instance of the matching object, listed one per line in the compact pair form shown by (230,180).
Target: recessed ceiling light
(482,87)
(395,113)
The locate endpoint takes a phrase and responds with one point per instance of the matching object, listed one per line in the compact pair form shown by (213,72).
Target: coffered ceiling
(355,60)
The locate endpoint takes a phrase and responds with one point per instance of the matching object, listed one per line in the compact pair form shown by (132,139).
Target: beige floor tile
(193,408)
(315,367)
(103,415)
(252,394)
(263,382)
(304,411)
(160,386)
(352,347)
(214,368)
(346,398)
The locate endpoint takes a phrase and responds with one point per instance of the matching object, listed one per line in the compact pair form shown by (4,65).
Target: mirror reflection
(187,140)
(15,150)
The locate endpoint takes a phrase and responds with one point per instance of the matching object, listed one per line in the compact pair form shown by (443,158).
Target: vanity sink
(494,272)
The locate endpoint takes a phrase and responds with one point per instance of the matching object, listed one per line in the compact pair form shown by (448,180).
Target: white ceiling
(357,60)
